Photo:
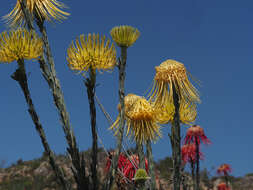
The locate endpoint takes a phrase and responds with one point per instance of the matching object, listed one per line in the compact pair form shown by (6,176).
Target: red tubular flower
(121,163)
(223,186)
(127,166)
(196,133)
(189,153)
(224,169)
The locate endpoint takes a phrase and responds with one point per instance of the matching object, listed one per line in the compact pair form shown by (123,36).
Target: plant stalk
(197,164)
(139,147)
(122,74)
(20,76)
(193,172)
(176,138)
(151,168)
(90,84)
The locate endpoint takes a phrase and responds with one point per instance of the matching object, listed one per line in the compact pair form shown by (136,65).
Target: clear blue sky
(213,38)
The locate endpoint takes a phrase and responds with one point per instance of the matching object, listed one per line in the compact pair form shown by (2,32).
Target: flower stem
(139,147)
(151,169)
(197,164)
(20,76)
(176,138)
(193,171)
(90,84)
(226,179)
(122,73)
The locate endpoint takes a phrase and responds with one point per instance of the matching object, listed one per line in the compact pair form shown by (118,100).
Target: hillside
(38,175)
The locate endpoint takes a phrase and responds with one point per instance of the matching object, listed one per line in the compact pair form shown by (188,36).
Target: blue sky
(212,38)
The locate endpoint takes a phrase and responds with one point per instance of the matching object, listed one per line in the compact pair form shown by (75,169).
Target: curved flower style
(140,119)
(91,53)
(189,153)
(171,77)
(224,169)
(19,44)
(196,133)
(121,163)
(223,186)
(187,112)
(44,9)
(124,36)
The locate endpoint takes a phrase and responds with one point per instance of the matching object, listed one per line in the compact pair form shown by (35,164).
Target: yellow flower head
(44,9)
(91,53)
(125,36)
(140,119)
(172,73)
(19,44)
(129,101)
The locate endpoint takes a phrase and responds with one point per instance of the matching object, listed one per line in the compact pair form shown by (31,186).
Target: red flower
(225,169)
(223,186)
(127,166)
(196,133)
(189,153)
(121,163)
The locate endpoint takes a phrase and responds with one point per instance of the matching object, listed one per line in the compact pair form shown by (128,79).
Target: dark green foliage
(24,183)
(205,178)
(249,175)
(165,167)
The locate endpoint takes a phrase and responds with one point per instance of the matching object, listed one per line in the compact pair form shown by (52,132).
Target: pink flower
(224,169)
(196,133)
(189,153)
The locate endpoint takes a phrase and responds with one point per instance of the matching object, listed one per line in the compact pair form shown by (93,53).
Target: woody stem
(197,163)
(176,148)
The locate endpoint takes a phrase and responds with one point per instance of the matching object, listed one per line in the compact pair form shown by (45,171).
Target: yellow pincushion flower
(91,53)
(124,36)
(19,44)
(140,119)
(44,9)
(172,73)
